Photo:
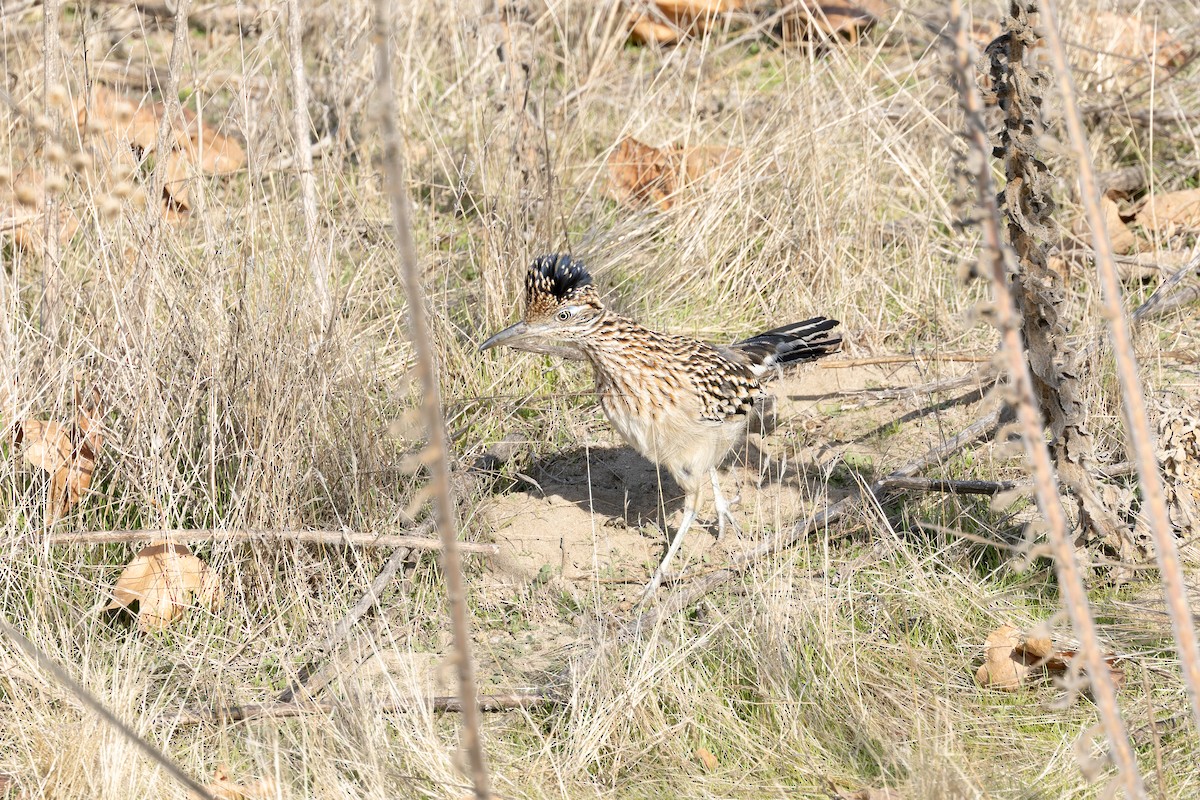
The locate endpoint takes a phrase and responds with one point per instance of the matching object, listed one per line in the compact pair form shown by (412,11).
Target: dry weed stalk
(154,189)
(1040,292)
(302,126)
(995,263)
(282,710)
(1180,289)
(51,311)
(436,454)
(330,538)
(1137,421)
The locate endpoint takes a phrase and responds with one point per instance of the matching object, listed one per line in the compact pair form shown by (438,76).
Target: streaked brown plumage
(678,401)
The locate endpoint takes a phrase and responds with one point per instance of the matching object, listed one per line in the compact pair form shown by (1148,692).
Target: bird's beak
(511,335)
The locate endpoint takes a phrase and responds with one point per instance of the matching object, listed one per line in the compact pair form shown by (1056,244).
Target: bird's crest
(555,279)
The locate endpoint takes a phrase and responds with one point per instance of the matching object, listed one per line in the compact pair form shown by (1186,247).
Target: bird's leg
(724,517)
(689,516)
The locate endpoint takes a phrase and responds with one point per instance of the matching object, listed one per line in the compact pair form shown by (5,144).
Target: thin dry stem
(302,126)
(335,538)
(51,310)
(431,405)
(484,702)
(342,629)
(1048,499)
(162,146)
(1141,436)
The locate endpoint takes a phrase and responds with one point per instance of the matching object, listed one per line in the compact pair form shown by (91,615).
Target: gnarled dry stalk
(1039,291)
(1141,435)
(431,405)
(1013,350)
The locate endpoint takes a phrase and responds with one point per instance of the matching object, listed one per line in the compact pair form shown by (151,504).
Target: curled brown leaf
(164,579)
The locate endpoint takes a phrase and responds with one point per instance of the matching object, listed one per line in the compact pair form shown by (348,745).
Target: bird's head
(561,305)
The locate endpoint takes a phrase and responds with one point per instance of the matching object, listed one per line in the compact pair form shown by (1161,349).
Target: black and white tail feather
(790,344)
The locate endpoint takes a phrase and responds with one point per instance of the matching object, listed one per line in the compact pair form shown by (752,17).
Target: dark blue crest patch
(553,279)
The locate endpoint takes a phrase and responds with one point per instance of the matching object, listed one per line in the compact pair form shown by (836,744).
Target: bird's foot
(725,518)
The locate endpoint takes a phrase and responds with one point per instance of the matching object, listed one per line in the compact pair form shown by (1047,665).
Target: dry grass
(848,660)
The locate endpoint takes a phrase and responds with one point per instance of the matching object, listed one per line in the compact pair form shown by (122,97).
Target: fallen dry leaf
(67,453)
(223,788)
(817,19)
(214,153)
(1171,212)
(644,29)
(1119,49)
(1012,659)
(706,758)
(1123,240)
(869,794)
(118,119)
(164,579)
(124,128)
(639,173)
(1178,420)
(176,174)
(1000,670)
(668,21)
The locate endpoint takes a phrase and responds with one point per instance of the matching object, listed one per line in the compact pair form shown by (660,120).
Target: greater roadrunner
(680,402)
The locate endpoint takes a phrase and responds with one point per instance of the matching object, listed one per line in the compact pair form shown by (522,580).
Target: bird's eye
(564,315)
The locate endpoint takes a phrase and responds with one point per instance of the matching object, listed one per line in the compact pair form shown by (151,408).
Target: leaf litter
(165,579)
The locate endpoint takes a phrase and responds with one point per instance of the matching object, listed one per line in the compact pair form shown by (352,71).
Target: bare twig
(909,484)
(301,130)
(948,486)
(147,76)
(84,696)
(436,455)
(967,358)
(983,378)
(1142,438)
(343,627)
(483,702)
(1172,293)
(333,538)
(1048,499)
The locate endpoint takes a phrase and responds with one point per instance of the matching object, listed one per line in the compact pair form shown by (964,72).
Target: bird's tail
(794,343)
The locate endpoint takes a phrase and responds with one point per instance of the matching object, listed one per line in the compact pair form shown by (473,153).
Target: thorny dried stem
(301,129)
(994,264)
(1137,421)
(1039,291)
(431,406)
